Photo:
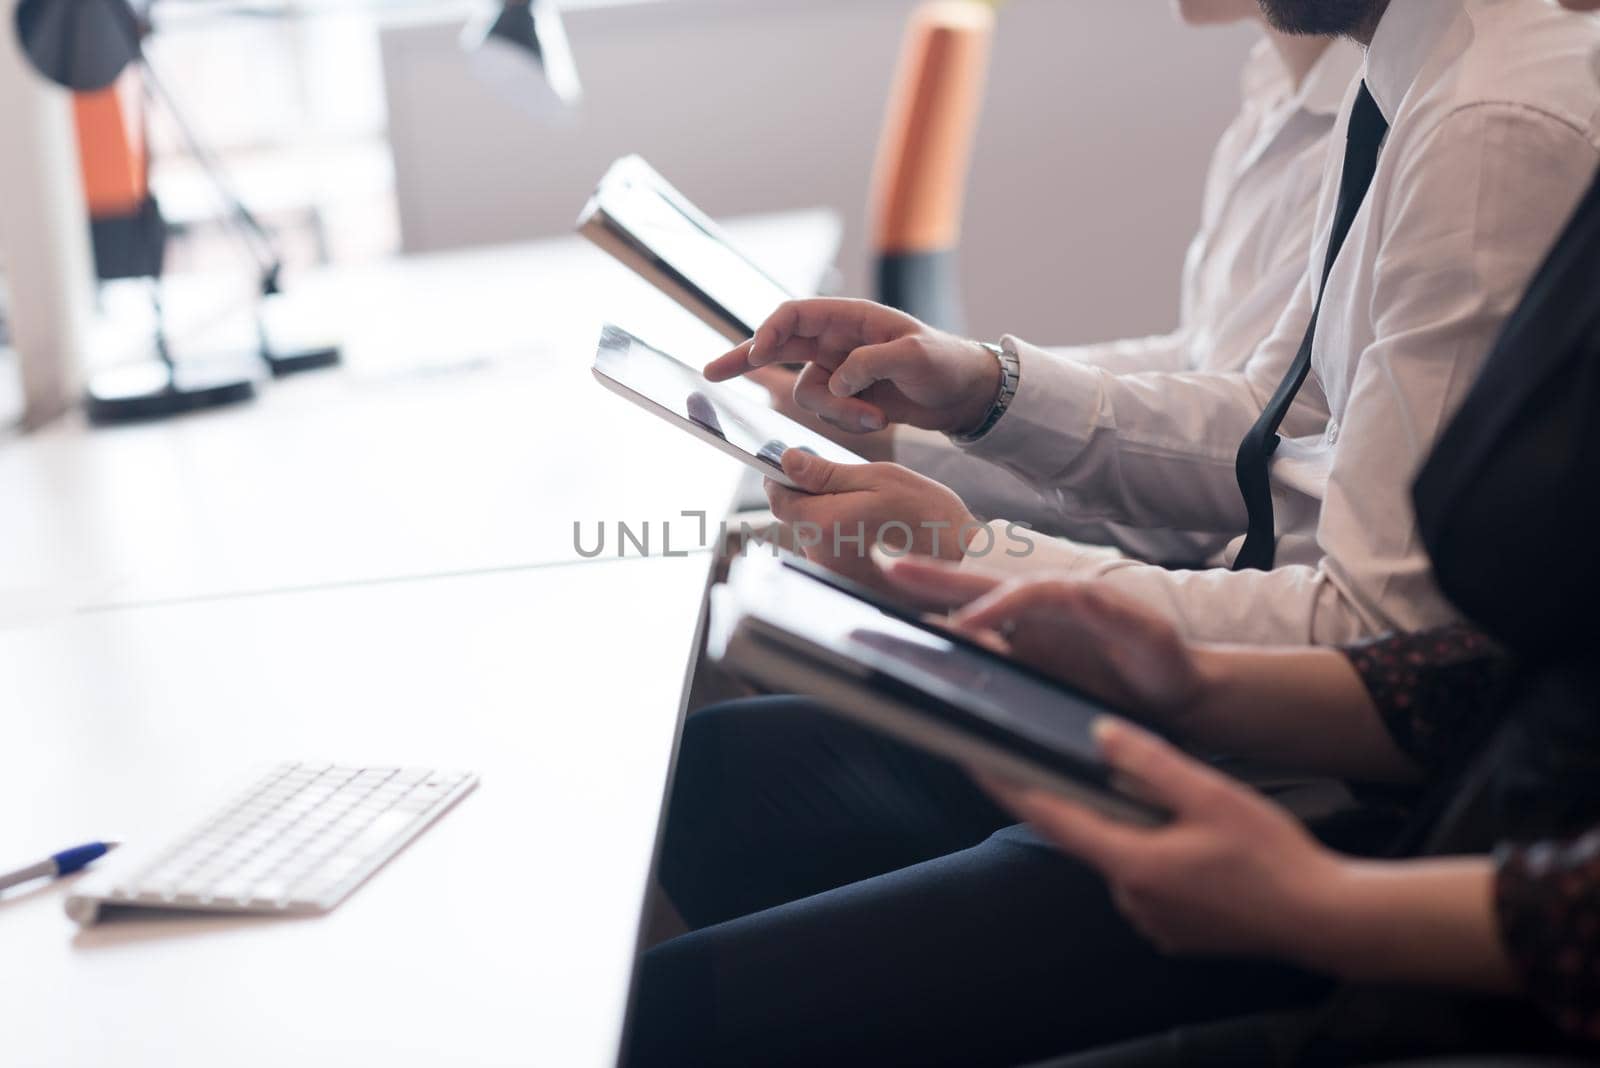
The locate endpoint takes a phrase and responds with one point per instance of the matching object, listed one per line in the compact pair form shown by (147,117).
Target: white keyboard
(298,840)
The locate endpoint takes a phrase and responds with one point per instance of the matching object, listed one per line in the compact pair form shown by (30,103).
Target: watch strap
(1010,379)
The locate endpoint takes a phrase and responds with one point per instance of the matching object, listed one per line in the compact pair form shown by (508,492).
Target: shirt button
(1333,433)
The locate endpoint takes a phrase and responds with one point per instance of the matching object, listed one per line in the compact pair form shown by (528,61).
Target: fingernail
(882,560)
(1103,729)
(872,421)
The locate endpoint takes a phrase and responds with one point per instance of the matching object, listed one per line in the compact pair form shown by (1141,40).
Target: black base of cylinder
(924,284)
(132,245)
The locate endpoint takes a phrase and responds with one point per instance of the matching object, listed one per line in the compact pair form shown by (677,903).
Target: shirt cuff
(1013,550)
(1165,352)
(1546,900)
(1432,689)
(1057,401)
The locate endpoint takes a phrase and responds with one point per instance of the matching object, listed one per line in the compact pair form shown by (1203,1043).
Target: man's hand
(779,382)
(1088,636)
(868,366)
(848,509)
(1232,873)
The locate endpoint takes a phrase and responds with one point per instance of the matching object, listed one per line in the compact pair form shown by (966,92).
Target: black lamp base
(294,337)
(157,390)
(283,364)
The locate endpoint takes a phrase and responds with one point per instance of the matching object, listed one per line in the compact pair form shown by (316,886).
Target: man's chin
(1321,18)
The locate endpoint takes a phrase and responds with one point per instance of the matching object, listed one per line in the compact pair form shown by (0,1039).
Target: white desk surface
(464,433)
(372,565)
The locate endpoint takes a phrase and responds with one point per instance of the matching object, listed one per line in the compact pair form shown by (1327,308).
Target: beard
(1323,18)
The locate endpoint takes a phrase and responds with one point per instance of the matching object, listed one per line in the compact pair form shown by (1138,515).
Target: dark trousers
(1274,1041)
(1394,1029)
(856,901)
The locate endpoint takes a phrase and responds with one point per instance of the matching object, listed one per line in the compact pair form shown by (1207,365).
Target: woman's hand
(1091,638)
(1232,873)
(869,366)
(1303,709)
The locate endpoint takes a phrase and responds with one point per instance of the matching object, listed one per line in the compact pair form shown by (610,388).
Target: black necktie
(1368,128)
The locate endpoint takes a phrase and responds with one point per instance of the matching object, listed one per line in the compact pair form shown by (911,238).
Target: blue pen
(63,863)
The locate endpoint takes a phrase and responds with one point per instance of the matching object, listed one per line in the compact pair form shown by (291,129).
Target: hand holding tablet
(718,414)
(789,626)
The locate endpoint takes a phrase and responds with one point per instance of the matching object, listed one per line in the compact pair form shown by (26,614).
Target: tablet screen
(985,685)
(700,256)
(720,409)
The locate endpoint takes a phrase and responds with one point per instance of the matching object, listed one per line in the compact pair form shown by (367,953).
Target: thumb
(890,362)
(815,475)
(1160,771)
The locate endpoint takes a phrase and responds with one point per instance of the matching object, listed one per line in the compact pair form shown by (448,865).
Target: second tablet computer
(644,222)
(791,627)
(719,414)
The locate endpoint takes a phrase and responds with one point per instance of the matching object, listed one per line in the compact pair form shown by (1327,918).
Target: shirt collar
(1266,81)
(1405,37)
(1326,87)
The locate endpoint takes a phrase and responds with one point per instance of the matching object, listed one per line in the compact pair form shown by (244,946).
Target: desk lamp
(85,45)
(522,51)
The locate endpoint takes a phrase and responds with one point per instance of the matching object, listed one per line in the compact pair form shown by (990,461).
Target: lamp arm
(256,237)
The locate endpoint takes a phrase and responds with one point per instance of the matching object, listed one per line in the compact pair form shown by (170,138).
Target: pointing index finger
(731,364)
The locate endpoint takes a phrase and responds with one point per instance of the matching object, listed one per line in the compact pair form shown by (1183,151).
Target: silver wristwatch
(1010,377)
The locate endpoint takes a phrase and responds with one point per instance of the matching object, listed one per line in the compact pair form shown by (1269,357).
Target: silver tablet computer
(789,626)
(719,414)
(652,228)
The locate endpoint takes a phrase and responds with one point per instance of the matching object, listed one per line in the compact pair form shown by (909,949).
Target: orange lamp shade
(112,149)
(926,152)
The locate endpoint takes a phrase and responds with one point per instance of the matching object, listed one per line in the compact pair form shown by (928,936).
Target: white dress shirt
(1494,111)
(1257,223)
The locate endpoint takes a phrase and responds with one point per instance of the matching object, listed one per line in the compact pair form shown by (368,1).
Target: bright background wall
(355,136)
(1100,119)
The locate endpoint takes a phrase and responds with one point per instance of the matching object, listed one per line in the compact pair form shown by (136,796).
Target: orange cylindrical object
(112,149)
(924,157)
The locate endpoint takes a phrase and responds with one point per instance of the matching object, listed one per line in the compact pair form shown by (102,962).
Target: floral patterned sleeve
(1547,898)
(1429,686)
